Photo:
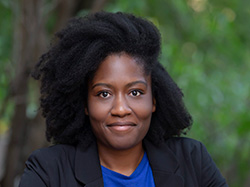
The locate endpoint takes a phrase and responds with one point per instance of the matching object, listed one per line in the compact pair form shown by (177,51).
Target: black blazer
(178,162)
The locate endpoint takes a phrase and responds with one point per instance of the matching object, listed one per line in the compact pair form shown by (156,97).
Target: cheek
(143,109)
(97,111)
(96,116)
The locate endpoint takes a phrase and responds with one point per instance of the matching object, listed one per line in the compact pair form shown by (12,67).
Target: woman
(113,111)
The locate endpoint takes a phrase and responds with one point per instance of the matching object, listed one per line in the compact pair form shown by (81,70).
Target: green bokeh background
(205,48)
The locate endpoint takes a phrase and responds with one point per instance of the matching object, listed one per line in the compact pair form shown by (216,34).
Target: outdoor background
(205,47)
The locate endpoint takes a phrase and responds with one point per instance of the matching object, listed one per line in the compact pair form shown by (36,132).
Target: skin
(120,106)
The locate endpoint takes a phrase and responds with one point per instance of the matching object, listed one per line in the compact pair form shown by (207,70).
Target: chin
(124,145)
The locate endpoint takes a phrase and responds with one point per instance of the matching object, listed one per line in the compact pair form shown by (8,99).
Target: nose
(120,106)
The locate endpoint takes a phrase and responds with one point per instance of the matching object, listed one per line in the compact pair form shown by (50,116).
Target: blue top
(141,177)
(176,162)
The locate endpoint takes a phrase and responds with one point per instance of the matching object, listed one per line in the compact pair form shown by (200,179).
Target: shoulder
(55,150)
(194,156)
(177,141)
(59,151)
(51,158)
(184,144)
(46,165)
(187,149)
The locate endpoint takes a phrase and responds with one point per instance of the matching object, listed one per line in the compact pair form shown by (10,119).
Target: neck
(121,161)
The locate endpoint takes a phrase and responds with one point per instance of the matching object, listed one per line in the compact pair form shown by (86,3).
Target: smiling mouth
(121,127)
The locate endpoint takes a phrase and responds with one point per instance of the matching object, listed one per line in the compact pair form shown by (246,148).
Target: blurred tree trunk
(28,43)
(30,40)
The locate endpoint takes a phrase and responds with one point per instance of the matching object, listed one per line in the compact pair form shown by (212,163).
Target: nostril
(120,108)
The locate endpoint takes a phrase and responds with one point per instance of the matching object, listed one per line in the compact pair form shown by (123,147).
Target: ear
(86,111)
(154,105)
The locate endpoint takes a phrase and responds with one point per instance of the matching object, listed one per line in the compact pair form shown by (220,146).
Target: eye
(103,94)
(135,93)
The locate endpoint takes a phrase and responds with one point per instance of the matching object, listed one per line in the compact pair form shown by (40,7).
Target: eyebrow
(137,82)
(128,85)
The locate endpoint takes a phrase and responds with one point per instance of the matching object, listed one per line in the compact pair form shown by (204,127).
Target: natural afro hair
(73,58)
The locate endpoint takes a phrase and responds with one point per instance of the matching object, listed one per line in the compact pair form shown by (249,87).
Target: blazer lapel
(162,161)
(87,166)
(164,165)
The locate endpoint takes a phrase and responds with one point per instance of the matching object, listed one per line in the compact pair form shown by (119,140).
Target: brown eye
(135,93)
(104,94)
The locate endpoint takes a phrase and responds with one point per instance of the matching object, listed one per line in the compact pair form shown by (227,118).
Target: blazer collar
(164,165)
(162,160)
(87,166)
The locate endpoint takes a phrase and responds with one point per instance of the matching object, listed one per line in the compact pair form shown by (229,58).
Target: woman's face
(120,102)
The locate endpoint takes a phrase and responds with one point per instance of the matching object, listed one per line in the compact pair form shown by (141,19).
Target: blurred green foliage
(205,47)
(6,69)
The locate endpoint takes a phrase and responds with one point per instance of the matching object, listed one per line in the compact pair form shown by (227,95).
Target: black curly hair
(71,61)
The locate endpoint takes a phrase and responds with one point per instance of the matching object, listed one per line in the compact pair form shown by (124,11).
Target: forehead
(119,65)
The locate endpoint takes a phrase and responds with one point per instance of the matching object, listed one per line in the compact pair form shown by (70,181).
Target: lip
(121,126)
